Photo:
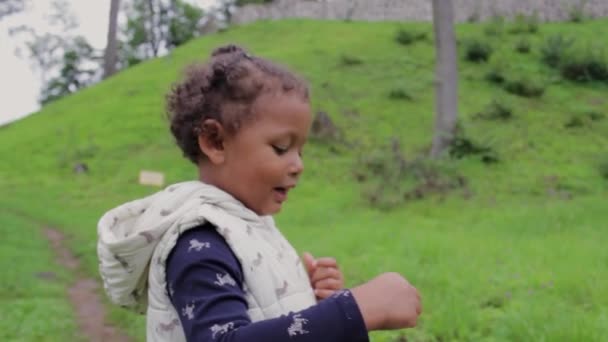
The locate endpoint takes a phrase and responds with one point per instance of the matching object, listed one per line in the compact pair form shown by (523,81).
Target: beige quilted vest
(136,238)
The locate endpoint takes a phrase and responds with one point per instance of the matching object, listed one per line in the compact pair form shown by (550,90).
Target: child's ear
(211,140)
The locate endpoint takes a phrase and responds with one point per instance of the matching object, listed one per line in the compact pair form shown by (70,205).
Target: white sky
(19,84)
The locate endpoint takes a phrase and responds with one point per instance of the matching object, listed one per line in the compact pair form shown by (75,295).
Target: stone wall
(416,10)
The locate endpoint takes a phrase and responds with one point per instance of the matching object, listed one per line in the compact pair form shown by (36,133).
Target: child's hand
(324,274)
(388,301)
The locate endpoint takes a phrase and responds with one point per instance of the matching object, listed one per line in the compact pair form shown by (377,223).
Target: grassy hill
(515,252)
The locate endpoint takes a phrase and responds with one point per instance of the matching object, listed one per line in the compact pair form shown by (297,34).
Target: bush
(496,73)
(584,119)
(586,66)
(603,168)
(524,87)
(496,110)
(554,49)
(399,94)
(523,46)
(405,37)
(576,14)
(525,24)
(477,51)
(388,179)
(347,60)
(495,26)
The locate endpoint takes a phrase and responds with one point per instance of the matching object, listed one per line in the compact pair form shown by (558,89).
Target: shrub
(596,116)
(586,66)
(463,147)
(388,179)
(497,70)
(495,26)
(524,87)
(495,75)
(554,49)
(574,122)
(603,169)
(347,60)
(525,24)
(399,94)
(584,119)
(523,46)
(496,110)
(576,13)
(406,37)
(477,51)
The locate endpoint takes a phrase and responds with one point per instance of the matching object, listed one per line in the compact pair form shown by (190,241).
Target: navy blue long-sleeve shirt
(217,311)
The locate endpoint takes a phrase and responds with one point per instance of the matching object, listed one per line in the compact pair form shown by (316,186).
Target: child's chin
(270,211)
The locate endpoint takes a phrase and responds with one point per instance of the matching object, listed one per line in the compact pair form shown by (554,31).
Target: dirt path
(84,296)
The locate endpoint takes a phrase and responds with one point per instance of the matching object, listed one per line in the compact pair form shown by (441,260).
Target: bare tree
(110,57)
(446,97)
(8,7)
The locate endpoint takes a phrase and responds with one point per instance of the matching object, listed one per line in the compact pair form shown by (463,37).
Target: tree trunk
(152,27)
(446,97)
(110,56)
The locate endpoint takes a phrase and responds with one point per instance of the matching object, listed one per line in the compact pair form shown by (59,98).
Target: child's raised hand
(388,301)
(324,274)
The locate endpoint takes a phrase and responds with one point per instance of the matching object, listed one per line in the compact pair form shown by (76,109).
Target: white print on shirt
(297,327)
(197,245)
(188,311)
(171,291)
(341,293)
(221,329)
(225,279)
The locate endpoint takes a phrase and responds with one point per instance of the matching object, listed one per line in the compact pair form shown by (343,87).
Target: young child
(203,259)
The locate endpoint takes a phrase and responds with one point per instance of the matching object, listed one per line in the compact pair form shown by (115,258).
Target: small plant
(554,49)
(584,119)
(477,51)
(406,37)
(523,46)
(495,75)
(388,179)
(603,168)
(347,60)
(495,26)
(463,147)
(589,65)
(399,94)
(524,87)
(574,122)
(498,69)
(595,116)
(525,24)
(576,13)
(496,110)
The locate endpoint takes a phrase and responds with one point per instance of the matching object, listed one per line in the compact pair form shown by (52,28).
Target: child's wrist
(365,300)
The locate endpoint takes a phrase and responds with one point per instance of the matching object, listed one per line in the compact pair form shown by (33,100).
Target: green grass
(523,259)
(33,294)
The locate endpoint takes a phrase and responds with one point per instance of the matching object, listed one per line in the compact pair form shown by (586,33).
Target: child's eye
(279,150)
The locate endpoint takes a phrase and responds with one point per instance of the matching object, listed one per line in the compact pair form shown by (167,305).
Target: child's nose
(296,166)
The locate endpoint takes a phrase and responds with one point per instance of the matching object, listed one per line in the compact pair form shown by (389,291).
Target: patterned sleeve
(205,285)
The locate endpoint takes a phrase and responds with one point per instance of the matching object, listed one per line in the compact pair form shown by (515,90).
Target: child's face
(263,160)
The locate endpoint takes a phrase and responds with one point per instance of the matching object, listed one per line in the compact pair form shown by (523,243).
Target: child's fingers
(325,272)
(327,262)
(309,263)
(322,294)
(329,284)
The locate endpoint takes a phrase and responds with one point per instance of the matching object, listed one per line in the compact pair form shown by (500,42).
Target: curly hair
(225,89)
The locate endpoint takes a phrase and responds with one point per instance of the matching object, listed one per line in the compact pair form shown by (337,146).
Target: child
(204,258)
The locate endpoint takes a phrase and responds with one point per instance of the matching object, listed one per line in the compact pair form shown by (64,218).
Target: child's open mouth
(280,194)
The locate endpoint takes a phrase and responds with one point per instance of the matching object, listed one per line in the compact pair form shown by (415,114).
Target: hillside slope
(499,259)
